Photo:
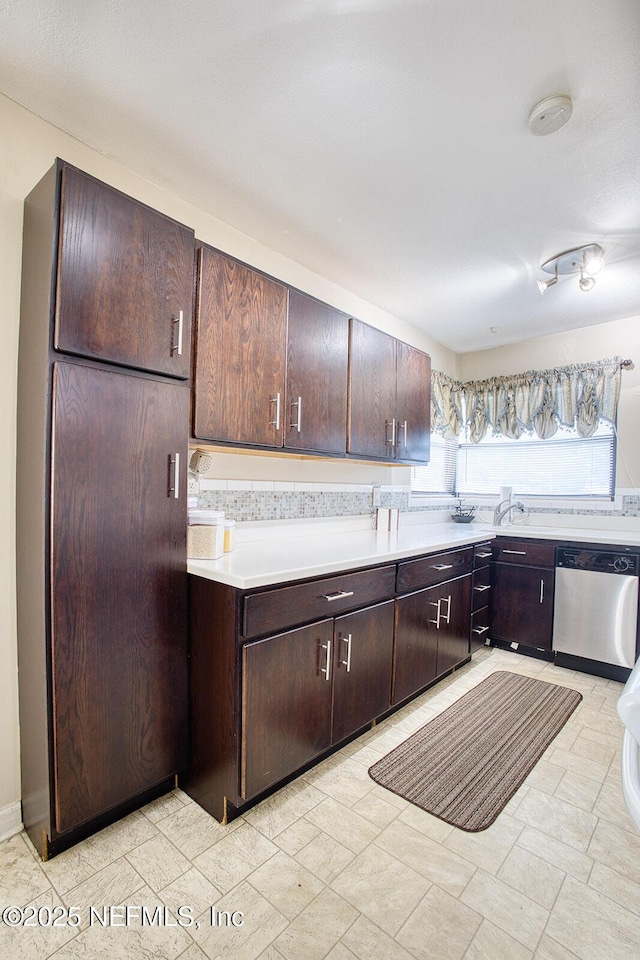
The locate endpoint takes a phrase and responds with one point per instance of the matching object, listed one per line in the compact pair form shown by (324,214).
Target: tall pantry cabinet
(103,422)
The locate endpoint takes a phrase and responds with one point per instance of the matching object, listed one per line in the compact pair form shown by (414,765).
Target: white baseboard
(10,820)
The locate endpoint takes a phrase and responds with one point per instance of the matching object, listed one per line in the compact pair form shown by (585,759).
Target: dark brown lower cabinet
(286,716)
(432,635)
(362,668)
(279,675)
(522,604)
(480,595)
(416,649)
(307,689)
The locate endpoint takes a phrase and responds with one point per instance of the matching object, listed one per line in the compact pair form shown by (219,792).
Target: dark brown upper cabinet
(124,279)
(316,394)
(413,404)
(389,397)
(239,378)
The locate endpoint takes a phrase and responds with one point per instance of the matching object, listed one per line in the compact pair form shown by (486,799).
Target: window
(439,475)
(566,465)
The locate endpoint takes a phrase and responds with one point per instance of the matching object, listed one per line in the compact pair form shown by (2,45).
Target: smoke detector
(550,115)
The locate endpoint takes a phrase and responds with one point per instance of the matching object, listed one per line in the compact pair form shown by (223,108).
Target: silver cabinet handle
(447,600)
(402,426)
(297,425)
(436,604)
(340,595)
(391,423)
(441,566)
(521,553)
(480,630)
(542,591)
(174,475)
(176,346)
(347,662)
(483,587)
(483,556)
(276,423)
(327,670)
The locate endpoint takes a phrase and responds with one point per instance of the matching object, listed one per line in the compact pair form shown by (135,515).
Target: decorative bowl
(462,517)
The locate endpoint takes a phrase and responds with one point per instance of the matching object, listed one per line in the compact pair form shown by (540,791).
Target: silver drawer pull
(347,662)
(483,556)
(327,670)
(480,630)
(392,424)
(436,622)
(176,346)
(484,586)
(521,553)
(276,423)
(447,616)
(174,476)
(340,595)
(442,566)
(542,591)
(297,424)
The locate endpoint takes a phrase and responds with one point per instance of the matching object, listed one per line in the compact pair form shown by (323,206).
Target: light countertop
(612,536)
(279,555)
(269,561)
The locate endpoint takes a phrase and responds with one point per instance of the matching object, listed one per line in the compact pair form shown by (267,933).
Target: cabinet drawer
(479,626)
(284,607)
(481,554)
(481,588)
(436,568)
(524,551)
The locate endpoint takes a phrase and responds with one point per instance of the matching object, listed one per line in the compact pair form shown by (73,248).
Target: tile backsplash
(282,501)
(272,500)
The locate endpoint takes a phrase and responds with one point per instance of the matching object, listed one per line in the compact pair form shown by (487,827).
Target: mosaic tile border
(244,504)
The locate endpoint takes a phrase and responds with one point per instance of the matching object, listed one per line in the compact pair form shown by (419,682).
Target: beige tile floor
(335,866)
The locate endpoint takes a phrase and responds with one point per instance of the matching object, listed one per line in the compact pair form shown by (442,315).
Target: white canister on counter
(205,534)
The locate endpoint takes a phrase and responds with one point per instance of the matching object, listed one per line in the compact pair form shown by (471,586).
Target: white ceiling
(382,143)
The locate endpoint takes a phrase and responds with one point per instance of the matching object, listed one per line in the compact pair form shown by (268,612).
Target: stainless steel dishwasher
(595,618)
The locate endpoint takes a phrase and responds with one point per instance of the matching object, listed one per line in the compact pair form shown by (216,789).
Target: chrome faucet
(501,511)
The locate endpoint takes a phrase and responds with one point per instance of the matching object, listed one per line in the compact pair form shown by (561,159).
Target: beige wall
(618,338)
(28,148)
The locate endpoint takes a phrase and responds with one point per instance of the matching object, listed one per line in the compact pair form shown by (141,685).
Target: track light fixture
(543,285)
(586,260)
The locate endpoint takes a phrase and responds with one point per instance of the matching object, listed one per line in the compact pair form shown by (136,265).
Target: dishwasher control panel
(604,561)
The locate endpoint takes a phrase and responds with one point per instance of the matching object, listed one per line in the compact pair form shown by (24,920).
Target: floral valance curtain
(447,405)
(538,401)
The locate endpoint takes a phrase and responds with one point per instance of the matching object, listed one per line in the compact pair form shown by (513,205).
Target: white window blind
(563,466)
(438,476)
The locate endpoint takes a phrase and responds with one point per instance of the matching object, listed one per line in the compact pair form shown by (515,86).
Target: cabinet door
(241,325)
(522,604)
(125,280)
(362,668)
(286,704)
(413,404)
(372,392)
(315,414)
(416,642)
(454,620)
(118,588)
